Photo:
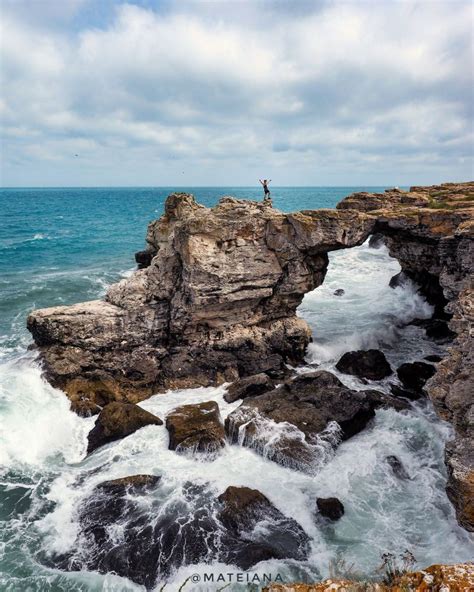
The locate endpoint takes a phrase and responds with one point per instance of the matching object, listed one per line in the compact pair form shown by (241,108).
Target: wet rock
(460,486)
(248,387)
(439,331)
(330,507)
(146,541)
(397,467)
(414,375)
(433,358)
(286,422)
(339,292)
(197,428)
(398,280)
(132,483)
(398,391)
(371,364)
(376,241)
(117,420)
(242,511)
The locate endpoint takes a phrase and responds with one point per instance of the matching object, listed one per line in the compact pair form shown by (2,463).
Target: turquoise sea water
(60,246)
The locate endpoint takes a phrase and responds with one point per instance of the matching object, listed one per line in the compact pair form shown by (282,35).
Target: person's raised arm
(261,181)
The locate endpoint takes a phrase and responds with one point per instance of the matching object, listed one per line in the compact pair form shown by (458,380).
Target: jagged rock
(132,483)
(248,387)
(305,409)
(398,280)
(460,486)
(397,467)
(405,393)
(439,578)
(197,428)
(339,292)
(144,542)
(414,375)
(243,509)
(433,358)
(217,302)
(117,420)
(371,364)
(143,258)
(330,507)
(376,241)
(439,331)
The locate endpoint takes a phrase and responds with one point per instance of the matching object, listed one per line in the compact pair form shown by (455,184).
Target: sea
(59,246)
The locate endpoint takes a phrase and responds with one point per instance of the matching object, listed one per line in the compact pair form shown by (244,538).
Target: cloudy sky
(149,92)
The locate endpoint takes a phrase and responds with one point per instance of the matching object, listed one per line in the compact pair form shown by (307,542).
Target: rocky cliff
(216,298)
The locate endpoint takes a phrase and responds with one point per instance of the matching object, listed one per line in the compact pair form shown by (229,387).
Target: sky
(186,93)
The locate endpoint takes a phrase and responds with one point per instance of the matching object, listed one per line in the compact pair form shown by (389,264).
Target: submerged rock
(371,364)
(339,292)
(132,482)
(117,420)
(397,467)
(303,419)
(414,375)
(330,507)
(248,387)
(197,428)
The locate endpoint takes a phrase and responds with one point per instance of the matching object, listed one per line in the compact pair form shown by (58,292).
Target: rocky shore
(215,300)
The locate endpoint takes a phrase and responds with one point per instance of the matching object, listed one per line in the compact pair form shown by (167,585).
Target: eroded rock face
(217,302)
(430,231)
(117,420)
(196,428)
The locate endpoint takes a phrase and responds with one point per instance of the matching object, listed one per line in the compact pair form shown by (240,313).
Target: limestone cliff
(217,294)
(217,302)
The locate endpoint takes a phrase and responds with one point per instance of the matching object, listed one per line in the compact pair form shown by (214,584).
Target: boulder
(371,364)
(397,467)
(248,387)
(376,240)
(330,507)
(305,418)
(439,331)
(398,280)
(117,420)
(339,292)
(242,511)
(413,375)
(196,428)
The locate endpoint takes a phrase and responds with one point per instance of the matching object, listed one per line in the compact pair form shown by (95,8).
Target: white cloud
(312,98)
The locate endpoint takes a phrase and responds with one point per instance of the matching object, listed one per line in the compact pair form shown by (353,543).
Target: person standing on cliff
(266,191)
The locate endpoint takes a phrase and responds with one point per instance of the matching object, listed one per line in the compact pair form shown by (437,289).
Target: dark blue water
(64,245)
